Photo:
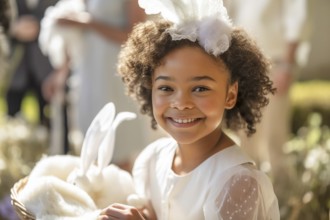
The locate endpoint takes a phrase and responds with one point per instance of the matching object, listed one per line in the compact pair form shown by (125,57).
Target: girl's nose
(182,101)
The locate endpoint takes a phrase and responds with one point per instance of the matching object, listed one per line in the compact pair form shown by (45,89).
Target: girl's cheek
(208,104)
(158,103)
(211,107)
(158,110)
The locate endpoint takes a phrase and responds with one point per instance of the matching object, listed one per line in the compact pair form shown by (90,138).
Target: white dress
(98,82)
(94,81)
(225,186)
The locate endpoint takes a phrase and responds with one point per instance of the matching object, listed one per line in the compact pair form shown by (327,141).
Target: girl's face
(190,92)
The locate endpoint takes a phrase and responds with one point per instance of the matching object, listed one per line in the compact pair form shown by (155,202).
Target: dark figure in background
(29,66)
(5,18)
(4,15)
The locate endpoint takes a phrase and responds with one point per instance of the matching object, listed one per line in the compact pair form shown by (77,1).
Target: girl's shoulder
(248,172)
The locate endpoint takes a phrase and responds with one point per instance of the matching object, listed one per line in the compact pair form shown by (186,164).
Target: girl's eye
(200,89)
(165,88)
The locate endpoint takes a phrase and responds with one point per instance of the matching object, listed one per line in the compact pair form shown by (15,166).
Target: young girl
(191,73)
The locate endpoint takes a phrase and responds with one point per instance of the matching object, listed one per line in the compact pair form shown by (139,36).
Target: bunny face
(80,180)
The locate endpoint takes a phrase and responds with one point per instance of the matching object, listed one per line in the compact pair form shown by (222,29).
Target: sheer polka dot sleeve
(240,199)
(247,195)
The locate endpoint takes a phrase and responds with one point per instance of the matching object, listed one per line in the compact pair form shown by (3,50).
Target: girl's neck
(188,157)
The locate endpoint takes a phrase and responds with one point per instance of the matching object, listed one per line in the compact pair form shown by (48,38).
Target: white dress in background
(226,186)
(97,81)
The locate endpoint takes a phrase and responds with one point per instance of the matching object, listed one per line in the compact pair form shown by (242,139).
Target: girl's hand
(120,211)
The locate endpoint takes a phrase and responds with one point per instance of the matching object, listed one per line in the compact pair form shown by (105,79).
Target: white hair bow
(204,20)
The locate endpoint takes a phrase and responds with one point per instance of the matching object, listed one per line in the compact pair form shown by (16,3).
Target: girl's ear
(231,96)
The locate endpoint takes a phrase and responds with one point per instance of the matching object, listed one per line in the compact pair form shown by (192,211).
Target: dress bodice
(225,186)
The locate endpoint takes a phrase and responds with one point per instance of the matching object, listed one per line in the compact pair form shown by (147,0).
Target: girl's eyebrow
(197,78)
(164,78)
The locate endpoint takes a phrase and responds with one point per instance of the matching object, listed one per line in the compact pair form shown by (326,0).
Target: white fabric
(94,81)
(98,83)
(57,41)
(225,186)
(96,72)
(271,22)
(206,21)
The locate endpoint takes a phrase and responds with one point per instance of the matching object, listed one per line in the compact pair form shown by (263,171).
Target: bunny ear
(107,146)
(89,151)
(104,118)
(96,132)
(121,117)
(106,150)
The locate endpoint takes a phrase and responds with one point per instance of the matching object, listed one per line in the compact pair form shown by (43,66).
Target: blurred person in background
(105,26)
(279,27)
(5,17)
(29,66)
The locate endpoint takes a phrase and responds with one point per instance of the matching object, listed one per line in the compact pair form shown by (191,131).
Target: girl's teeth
(184,121)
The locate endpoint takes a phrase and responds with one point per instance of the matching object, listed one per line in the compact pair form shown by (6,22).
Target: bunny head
(81,180)
(98,144)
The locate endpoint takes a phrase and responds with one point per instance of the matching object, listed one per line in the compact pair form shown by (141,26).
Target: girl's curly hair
(149,43)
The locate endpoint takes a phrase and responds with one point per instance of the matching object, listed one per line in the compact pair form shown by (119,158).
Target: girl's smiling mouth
(183,122)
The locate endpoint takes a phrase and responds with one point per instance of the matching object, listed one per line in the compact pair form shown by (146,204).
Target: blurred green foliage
(308,152)
(310,96)
(21,145)
(29,108)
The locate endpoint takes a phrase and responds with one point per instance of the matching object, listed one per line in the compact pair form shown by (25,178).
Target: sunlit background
(23,141)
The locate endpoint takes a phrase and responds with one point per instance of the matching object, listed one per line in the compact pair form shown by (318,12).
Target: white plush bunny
(68,186)
(105,183)
(49,197)
(59,166)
